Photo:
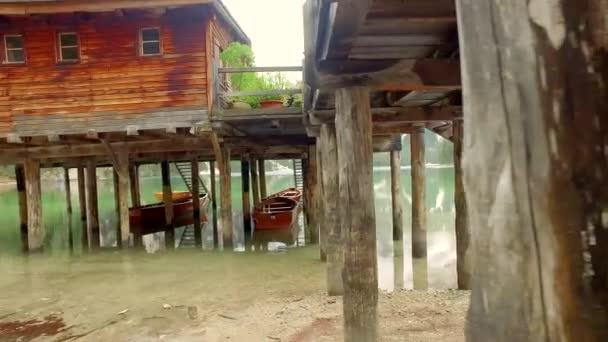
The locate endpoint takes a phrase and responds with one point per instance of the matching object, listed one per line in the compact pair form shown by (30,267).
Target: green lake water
(395,268)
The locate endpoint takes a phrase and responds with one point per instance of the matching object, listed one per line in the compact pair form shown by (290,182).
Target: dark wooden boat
(150,219)
(276,213)
(291,193)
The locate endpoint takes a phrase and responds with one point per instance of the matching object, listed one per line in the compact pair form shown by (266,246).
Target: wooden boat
(151,218)
(177,196)
(277,213)
(291,193)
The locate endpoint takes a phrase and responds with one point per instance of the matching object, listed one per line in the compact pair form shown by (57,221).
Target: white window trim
(141,42)
(61,47)
(6,48)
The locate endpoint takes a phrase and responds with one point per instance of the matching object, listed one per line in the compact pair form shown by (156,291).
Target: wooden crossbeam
(47,7)
(344,21)
(259,69)
(262,92)
(402,114)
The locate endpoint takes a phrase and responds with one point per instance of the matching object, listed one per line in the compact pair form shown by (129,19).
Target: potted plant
(272,82)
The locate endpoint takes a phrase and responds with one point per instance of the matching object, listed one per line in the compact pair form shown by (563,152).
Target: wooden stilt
(21,189)
(255,182)
(68,202)
(135,202)
(216,242)
(82,204)
(196,203)
(463,233)
(123,199)
(115,182)
(396,195)
(331,220)
(92,208)
(323,233)
(357,213)
(419,253)
(246,204)
(262,172)
(34,208)
(226,197)
(168,200)
(311,194)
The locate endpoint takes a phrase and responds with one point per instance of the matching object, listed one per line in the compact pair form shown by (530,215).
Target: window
(150,42)
(69,50)
(15,52)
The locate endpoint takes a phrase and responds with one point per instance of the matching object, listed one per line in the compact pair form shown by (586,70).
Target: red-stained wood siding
(112,86)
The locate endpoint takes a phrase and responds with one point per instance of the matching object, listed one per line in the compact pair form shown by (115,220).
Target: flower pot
(271,104)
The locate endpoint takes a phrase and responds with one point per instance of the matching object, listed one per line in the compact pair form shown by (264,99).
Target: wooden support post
(323,233)
(463,233)
(115,182)
(536,173)
(331,220)
(123,198)
(168,200)
(216,242)
(196,203)
(419,252)
(82,205)
(226,197)
(21,188)
(262,172)
(135,202)
(246,204)
(311,194)
(68,203)
(255,182)
(357,213)
(396,195)
(92,208)
(35,231)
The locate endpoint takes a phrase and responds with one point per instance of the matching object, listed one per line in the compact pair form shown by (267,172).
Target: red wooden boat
(276,213)
(151,218)
(291,193)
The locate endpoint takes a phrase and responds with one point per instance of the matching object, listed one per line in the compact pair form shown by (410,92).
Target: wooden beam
(262,172)
(70,6)
(245,186)
(23,213)
(135,202)
(82,205)
(323,234)
(68,207)
(35,225)
(396,195)
(216,243)
(259,69)
(419,234)
(226,197)
(196,203)
(345,19)
(402,114)
(461,223)
(123,197)
(255,181)
(262,92)
(168,201)
(357,214)
(92,206)
(311,196)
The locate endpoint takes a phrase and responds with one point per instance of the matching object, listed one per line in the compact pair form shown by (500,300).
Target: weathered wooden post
(461,224)
(246,204)
(311,194)
(135,202)
(536,172)
(255,182)
(168,200)
(196,203)
(68,206)
(34,207)
(92,208)
(323,234)
(216,242)
(20,178)
(357,213)
(331,220)
(123,198)
(226,197)
(262,171)
(419,253)
(396,195)
(82,204)
(115,182)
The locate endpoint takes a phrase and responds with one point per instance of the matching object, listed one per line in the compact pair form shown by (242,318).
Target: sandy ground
(190,296)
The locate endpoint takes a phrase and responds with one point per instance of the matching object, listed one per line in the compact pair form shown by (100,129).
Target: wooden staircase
(187,239)
(298,174)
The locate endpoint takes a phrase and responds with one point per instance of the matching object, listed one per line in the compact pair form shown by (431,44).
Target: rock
(193,312)
(167,306)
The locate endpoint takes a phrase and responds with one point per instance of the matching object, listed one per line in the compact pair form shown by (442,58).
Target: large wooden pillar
(396,195)
(196,203)
(123,198)
(21,189)
(135,202)
(357,213)
(246,204)
(262,171)
(92,208)
(461,224)
(255,182)
(311,195)
(419,250)
(323,233)
(82,205)
(34,207)
(68,206)
(331,219)
(216,239)
(168,200)
(226,197)
(536,168)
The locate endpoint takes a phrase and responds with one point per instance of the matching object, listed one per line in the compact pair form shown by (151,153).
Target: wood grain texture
(94,241)
(396,195)
(82,206)
(168,200)
(357,214)
(255,183)
(226,197)
(196,203)
(311,195)
(461,222)
(123,197)
(262,174)
(419,230)
(216,243)
(245,187)
(21,189)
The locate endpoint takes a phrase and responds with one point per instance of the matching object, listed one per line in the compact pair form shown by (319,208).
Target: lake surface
(394,262)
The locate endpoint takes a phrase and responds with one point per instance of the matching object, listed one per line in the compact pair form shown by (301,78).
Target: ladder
(298,174)
(188,240)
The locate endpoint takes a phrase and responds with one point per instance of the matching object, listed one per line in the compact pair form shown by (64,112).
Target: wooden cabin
(80,66)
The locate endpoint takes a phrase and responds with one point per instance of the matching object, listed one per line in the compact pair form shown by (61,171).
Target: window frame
(60,47)
(7,49)
(142,41)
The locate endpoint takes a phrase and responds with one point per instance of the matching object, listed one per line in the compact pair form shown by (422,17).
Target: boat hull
(177,196)
(276,214)
(291,193)
(151,218)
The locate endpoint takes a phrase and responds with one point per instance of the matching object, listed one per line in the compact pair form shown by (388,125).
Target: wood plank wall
(112,86)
